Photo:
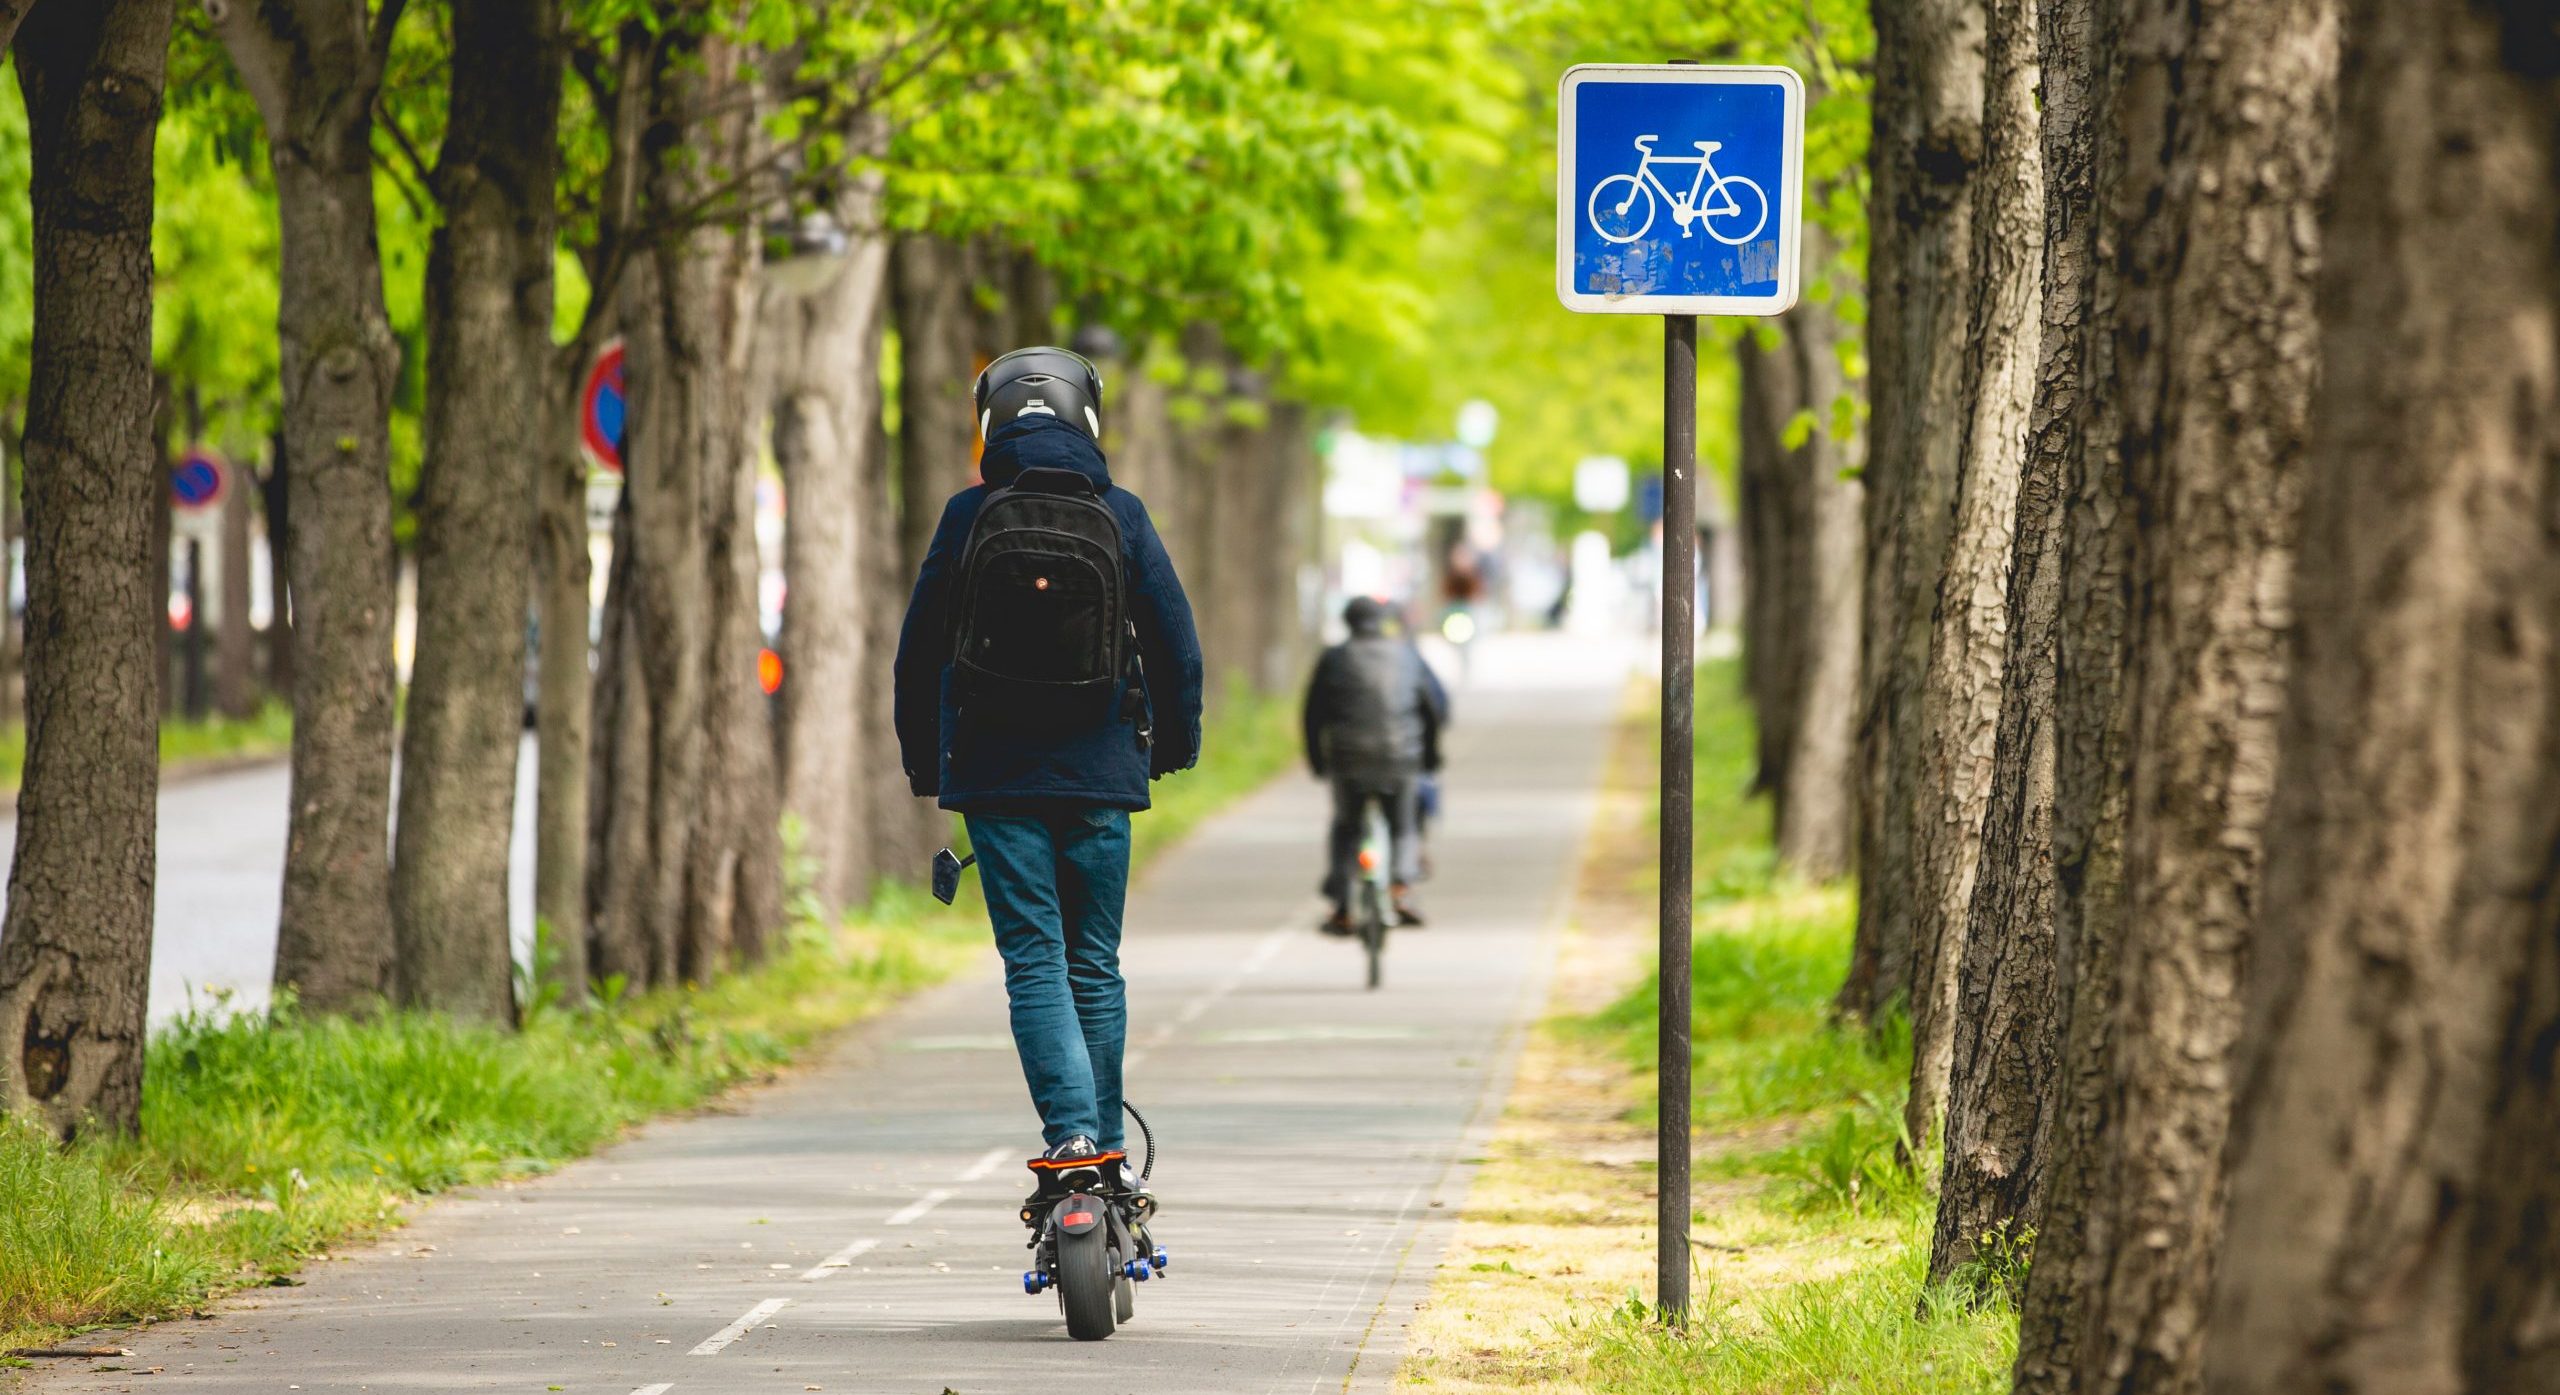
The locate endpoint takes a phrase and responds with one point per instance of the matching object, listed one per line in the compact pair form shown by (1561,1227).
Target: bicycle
(1375,913)
(1089,1237)
(1710,197)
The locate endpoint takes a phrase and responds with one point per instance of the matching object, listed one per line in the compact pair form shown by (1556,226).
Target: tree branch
(253,56)
(418,170)
(378,42)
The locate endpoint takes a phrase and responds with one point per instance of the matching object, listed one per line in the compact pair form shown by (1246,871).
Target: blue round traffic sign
(197,480)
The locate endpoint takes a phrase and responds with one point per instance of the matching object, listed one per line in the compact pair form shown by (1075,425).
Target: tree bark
(937,456)
(615,907)
(314,68)
(75,948)
(1928,146)
(1773,526)
(1817,820)
(2225,117)
(276,509)
(2392,1196)
(709,877)
(827,347)
(235,662)
(12,14)
(2003,1081)
(489,312)
(1960,698)
(938,429)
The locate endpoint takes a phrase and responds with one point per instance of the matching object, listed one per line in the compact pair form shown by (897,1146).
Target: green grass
(267,1137)
(1857,1330)
(1810,1114)
(268,731)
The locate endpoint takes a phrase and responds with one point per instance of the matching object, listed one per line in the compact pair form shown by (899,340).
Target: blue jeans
(1055,883)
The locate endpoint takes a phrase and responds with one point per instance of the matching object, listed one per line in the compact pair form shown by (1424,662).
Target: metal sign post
(1679,193)
(1679,718)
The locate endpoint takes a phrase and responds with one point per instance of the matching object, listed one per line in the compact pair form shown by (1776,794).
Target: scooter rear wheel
(1085,1283)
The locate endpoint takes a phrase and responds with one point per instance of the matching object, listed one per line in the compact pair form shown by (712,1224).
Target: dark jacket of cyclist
(1372,721)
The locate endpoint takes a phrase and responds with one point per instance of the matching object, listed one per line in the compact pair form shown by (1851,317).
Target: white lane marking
(661,1388)
(909,1213)
(993,1159)
(712,1344)
(1290,927)
(840,1259)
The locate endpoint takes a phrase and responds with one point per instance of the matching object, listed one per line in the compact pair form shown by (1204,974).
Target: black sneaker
(1074,1148)
(1338,924)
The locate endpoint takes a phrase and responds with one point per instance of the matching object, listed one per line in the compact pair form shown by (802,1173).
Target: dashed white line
(994,1158)
(914,1210)
(712,1344)
(1278,939)
(838,1260)
(661,1388)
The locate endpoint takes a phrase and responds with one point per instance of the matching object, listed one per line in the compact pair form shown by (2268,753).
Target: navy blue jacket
(1104,765)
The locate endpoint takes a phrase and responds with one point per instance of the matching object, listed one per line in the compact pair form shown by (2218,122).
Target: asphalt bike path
(854,1227)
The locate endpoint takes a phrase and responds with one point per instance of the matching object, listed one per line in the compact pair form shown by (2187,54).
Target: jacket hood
(1042,443)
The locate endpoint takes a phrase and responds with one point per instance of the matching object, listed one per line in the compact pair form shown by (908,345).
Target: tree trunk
(235,662)
(938,429)
(488,299)
(314,69)
(75,949)
(1772,526)
(1817,822)
(275,507)
(1291,502)
(937,456)
(12,14)
(827,348)
(1928,146)
(1960,700)
(2092,759)
(2003,1086)
(2392,1194)
(564,693)
(614,908)
(689,594)
(2224,112)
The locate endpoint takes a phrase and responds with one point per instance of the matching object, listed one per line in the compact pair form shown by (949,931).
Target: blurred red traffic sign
(600,409)
(198,479)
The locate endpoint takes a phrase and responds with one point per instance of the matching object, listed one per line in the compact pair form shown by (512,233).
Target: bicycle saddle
(1709,147)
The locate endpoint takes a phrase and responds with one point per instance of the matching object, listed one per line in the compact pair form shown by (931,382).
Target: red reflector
(768,671)
(1076,1218)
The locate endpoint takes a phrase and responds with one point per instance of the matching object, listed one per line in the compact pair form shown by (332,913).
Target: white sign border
(1790,218)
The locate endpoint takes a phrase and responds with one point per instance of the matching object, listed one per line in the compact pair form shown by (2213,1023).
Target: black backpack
(1040,634)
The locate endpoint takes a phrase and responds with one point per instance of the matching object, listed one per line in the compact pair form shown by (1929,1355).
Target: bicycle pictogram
(1711,200)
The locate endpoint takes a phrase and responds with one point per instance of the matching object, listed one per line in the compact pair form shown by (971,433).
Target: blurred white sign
(1601,484)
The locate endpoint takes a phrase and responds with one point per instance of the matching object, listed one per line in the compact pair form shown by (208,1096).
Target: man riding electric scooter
(1047,670)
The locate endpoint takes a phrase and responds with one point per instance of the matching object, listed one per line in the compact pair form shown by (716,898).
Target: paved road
(221,878)
(852,1228)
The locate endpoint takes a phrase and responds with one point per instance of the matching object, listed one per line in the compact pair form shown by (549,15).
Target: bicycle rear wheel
(1373,929)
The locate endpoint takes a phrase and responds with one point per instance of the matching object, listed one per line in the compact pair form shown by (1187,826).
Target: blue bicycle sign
(1649,156)
(1728,217)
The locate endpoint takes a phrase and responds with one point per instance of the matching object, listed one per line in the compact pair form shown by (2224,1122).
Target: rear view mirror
(947,867)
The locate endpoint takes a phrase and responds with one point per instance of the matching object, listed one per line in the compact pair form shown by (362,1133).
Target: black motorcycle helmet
(1045,380)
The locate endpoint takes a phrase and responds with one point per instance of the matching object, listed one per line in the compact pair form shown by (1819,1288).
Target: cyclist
(1373,716)
(1042,585)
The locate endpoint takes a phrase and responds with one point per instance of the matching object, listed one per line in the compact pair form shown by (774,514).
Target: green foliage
(1855,1162)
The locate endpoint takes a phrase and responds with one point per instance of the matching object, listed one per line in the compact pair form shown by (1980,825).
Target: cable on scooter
(1148,1134)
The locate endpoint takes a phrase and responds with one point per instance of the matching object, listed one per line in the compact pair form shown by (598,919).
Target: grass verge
(268,1137)
(1809,1239)
(183,741)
